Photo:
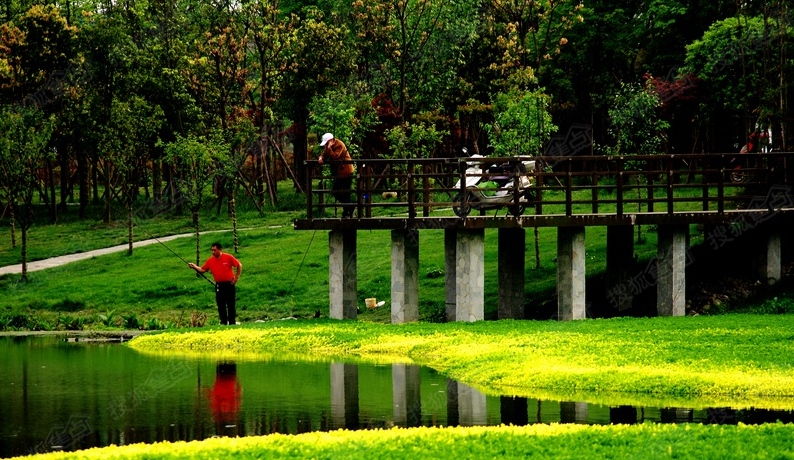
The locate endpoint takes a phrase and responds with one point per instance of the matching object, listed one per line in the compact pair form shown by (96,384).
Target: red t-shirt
(221,267)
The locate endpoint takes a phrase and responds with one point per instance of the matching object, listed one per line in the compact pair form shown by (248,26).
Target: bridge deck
(567,191)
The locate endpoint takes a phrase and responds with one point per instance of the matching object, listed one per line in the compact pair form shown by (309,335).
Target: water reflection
(225,398)
(73,396)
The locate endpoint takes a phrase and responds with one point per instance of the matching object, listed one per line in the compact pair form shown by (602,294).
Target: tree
(326,59)
(127,139)
(734,60)
(522,123)
(195,161)
(636,124)
(23,151)
(418,44)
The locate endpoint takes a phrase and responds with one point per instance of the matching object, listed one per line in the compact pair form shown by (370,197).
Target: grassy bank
(646,441)
(286,274)
(736,360)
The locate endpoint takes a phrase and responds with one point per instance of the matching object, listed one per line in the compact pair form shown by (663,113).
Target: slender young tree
(195,161)
(24,134)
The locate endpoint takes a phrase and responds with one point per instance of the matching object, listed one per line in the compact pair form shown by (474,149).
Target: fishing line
(302,260)
(174,253)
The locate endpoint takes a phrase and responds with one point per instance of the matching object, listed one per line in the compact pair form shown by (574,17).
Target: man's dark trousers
(225,297)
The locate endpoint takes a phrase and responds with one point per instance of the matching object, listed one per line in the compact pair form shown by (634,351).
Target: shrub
(131,321)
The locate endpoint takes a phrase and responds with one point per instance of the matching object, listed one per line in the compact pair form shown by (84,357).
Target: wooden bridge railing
(576,185)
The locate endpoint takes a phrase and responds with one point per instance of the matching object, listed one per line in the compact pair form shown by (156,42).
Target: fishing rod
(174,253)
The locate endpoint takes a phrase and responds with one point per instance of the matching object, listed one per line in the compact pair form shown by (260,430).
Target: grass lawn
(732,360)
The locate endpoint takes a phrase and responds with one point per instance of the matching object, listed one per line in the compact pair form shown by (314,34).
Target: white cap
(326,137)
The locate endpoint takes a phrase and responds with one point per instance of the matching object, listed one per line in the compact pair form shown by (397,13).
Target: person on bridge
(336,154)
(226,271)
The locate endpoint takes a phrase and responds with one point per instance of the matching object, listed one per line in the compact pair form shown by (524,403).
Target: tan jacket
(335,151)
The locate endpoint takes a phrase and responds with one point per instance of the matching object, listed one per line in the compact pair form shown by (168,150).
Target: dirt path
(61,260)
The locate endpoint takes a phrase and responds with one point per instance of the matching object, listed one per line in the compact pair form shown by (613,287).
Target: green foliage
(154,324)
(71,323)
(24,134)
(731,59)
(131,321)
(534,441)
(413,140)
(348,116)
(522,123)
(108,318)
(636,124)
(195,158)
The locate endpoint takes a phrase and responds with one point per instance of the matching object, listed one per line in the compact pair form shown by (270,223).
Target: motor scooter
(505,175)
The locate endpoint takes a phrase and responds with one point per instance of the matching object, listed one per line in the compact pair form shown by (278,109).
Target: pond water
(66,395)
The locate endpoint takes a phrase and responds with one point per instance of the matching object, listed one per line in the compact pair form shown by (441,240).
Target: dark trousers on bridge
(225,297)
(340,189)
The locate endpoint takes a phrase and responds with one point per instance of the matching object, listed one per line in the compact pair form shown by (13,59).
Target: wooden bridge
(569,193)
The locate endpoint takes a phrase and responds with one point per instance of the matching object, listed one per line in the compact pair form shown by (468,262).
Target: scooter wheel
(460,208)
(738,177)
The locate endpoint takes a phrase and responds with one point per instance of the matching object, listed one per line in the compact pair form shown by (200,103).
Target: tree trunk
(95,179)
(537,248)
(24,253)
(198,242)
(11,224)
(108,196)
(233,215)
(82,174)
(63,159)
(300,147)
(52,207)
(157,186)
(129,225)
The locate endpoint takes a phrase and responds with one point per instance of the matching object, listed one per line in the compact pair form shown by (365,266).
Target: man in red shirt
(226,270)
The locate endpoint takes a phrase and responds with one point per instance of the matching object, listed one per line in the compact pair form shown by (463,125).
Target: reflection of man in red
(226,395)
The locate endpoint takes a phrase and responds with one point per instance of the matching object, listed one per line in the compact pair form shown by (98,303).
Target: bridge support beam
(470,275)
(466,406)
(342,274)
(406,393)
(511,254)
(404,276)
(450,277)
(344,396)
(768,256)
(620,261)
(570,273)
(671,264)
(573,412)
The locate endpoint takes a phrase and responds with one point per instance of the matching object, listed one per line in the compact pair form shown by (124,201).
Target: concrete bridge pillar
(342,274)
(344,395)
(620,263)
(570,273)
(514,410)
(404,276)
(671,258)
(465,405)
(768,257)
(573,412)
(406,393)
(450,276)
(470,275)
(511,253)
